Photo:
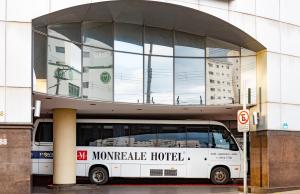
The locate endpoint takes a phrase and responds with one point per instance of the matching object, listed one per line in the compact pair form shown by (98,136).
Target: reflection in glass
(143,136)
(40,62)
(137,64)
(223,81)
(66,31)
(158,42)
(197,137)
(97,74)
(189,81)
(158,78)
(64,68)
(128,77)
(187,45)
(98,34)
(128,67)
(218,48)
(129,38)
(171,136)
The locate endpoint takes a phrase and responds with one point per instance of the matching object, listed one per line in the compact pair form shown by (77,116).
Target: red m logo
(81,154)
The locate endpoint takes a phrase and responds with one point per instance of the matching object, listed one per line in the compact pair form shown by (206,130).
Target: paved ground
(144,189)
(139,186)
(142,186)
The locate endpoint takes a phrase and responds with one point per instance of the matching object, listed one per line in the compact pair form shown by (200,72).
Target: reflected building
(119,62)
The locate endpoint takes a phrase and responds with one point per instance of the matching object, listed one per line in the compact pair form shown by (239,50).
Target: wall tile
(2,53)
(268,8)
(290,68)
(18,105)
(290,115)
(268,33)
(56,5)
(244,6)
(187,3)
(25,11)
(18,54)
(243,21)
(2,104)
(220,13)
(273,77)
(2,9)
(290,39)
(215,3)
(289,11)
(274,113)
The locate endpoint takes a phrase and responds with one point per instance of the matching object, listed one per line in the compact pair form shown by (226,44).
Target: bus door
(197,151)
(43,142)
(224,150)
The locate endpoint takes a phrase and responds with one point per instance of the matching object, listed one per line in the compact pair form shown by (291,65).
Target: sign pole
(245,145)
(245,163)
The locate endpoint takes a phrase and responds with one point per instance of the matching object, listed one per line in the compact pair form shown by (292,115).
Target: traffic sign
(243,120)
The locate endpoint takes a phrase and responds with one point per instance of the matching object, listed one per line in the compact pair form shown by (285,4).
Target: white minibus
(108,148)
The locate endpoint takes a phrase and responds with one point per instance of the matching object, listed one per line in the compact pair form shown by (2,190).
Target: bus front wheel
(219,176)
(98,175)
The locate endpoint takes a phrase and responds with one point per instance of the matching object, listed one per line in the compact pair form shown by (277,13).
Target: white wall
(275,23)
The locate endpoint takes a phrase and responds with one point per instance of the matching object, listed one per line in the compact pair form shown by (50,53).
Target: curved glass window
(223,81)
(158,77)
(98,34)
(187,45)
(158,41)
(189,72)
(189,81)
(70,32)
(97,73)
(124,62)
(128,67)
(64,68)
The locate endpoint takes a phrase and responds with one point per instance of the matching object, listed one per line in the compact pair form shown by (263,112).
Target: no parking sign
(243,120)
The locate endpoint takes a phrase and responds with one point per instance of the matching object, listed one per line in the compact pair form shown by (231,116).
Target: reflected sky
(128,77)
(159,82)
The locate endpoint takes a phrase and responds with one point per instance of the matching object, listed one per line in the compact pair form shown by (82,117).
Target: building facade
(162,60)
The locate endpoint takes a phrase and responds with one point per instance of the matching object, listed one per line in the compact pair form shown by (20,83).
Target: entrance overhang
(110,109)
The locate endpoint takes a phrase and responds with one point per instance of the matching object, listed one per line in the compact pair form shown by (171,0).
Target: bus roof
(139,121)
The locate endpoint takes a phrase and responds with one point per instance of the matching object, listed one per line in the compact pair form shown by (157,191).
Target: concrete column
(64,146)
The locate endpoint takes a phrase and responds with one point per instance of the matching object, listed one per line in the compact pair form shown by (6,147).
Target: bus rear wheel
(219,176)
(99,176)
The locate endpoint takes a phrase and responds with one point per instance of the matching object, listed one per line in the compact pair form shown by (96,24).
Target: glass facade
(131,63)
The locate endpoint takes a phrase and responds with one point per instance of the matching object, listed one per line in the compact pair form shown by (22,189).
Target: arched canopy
(155,14)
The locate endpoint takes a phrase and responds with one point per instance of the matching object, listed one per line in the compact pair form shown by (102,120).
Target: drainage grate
(156,172)
(169,172)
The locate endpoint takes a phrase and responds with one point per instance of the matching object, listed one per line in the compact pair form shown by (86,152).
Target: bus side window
(143,136)
(115,135)
(221,138)
(88,134)
(197,137)
(44,132)
(171,136)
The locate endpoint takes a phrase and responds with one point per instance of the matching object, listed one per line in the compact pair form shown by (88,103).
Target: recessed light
(92,104)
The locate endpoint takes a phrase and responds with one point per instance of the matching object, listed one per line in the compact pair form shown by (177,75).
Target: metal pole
(149,76)
(245,163)
(245,146)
